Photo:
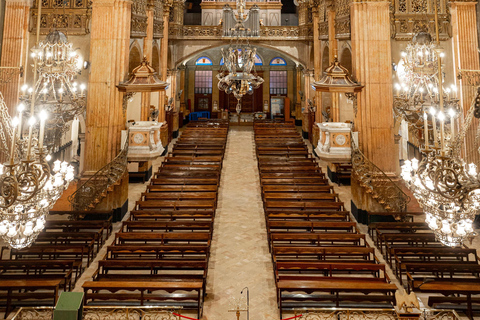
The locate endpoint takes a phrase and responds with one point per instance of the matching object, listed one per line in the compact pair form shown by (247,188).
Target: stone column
(163,63)
(182,87)
(332,41)
(109,44)
(147,51)
(15,47)
(465,56)
(317,55)
(298,107)
(370,33)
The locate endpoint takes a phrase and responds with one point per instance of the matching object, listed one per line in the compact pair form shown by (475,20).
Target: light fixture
(419,72)
(447,190)
(238,75)
(28,188)
(56,89)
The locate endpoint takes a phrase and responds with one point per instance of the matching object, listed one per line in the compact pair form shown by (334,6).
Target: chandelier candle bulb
(31,122)
(434,125)
(425,128)
(14,139)
(452,124)
(43,118)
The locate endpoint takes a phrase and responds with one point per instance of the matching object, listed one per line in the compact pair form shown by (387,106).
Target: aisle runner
(239,254)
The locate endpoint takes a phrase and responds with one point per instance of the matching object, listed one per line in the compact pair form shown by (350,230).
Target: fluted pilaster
(109,65)
(372,68)
(465,45)
(14,46)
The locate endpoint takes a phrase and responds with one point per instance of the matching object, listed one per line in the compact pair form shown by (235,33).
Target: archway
(346,59)
(135,57)
(156,59)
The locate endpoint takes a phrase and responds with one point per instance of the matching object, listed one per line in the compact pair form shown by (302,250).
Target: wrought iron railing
(111,313)
(378,184)
(369,314)
(89,194)
(168,313)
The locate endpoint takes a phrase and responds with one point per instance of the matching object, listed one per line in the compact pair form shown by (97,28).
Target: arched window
(203,61)
(278,62)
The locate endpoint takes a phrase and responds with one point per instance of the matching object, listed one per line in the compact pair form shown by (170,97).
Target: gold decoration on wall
(71,16)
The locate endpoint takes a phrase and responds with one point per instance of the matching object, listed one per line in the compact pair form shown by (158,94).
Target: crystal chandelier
(238,74)
(28,188)
(419,90)
(56,90)
(446,189)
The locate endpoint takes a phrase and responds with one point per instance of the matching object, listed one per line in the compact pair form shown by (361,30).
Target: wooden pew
(187,294)
(179,251)
(40,270)
(162,237)
(330,254)
(20,290)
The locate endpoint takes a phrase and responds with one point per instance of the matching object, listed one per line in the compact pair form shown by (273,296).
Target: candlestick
(14,140)
(452,125)
(425,125)
(434,124)
(43,118)
(20,109)
(31,122)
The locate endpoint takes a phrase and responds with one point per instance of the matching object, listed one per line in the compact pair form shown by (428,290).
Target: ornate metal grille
(92,191)
(378,184)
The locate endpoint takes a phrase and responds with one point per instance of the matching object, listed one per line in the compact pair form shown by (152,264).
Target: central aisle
(239,254)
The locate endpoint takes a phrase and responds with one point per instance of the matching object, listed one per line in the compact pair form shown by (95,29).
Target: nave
(239,251)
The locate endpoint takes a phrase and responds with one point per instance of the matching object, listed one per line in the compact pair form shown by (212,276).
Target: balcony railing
(266,33)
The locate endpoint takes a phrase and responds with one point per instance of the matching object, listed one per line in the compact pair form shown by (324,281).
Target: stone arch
(346,59)
(135,56)
(325,58)
(197,53)
(156,58)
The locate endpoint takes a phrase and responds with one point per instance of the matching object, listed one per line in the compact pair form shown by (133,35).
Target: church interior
(215,159)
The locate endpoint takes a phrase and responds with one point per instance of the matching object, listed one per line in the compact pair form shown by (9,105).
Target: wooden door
(250,103)
(203,102)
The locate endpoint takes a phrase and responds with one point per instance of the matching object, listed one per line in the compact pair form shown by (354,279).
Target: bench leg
(9,302)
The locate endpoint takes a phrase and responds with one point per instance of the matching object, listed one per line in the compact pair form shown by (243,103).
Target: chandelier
(419,90)
(56,90)
(28,188)
(238,74)
(445,187)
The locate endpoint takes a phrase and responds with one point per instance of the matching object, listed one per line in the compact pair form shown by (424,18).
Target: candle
(452,125)
(441,117)
(20,109)
(14,140)
(82,87)
(425,126)
(61,92)
(43,118)
(31,122)
(434,124)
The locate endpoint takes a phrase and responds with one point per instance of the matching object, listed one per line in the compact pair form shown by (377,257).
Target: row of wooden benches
(160,255)
(319,257)
(425,265)
(54,262)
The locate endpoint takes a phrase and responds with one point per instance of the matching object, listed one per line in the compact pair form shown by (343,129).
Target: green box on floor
(69,306)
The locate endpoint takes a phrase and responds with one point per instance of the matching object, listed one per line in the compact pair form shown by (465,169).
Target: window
(278,62)
(203,61)
(203,81)
(278,82)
